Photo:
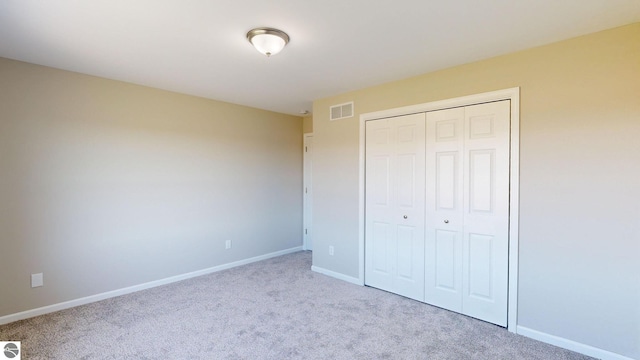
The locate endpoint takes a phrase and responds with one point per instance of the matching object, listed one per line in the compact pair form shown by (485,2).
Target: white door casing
(307,192)
(395,205)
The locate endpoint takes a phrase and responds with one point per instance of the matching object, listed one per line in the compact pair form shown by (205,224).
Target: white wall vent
(341,111)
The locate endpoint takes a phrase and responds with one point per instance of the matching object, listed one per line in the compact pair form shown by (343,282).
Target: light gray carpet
(274,309)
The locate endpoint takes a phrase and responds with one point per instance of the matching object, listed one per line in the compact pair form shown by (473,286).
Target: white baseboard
(128,290)
(336,275)
(570,344)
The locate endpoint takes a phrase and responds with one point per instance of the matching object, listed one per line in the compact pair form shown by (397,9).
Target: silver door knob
(446,221)
(405,216)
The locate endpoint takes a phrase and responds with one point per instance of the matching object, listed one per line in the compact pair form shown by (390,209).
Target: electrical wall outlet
(227,244)
(37,280)
(331,250)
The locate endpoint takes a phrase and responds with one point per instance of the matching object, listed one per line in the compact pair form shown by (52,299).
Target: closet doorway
(437,206)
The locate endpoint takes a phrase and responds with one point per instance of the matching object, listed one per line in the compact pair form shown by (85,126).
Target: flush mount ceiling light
(268,41)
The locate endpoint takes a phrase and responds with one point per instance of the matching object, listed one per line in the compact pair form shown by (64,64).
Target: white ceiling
(199,47)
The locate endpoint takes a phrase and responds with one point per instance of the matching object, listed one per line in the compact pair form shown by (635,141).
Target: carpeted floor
(273,309)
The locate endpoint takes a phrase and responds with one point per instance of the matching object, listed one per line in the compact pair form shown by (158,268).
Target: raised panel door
(444,226)
(486,212)
(394,205)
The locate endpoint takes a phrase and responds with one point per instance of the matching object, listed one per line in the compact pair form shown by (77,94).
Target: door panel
(380,242)
(480,279)
(446,174)
(481,180)
(380,171)
(394,196)
(406,172)
(446,263)
(406,244)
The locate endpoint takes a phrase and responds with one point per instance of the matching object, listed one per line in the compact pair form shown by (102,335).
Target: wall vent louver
(341,111)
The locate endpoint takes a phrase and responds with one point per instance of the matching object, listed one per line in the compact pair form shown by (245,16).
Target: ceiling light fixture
(268,41)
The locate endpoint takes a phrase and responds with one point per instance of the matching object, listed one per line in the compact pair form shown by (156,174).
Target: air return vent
(342,111)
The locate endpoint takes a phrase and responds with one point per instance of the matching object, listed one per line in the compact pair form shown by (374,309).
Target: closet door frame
(512,94)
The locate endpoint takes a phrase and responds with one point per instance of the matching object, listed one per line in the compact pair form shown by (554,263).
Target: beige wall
(307,124)
(105,185)
(580,176)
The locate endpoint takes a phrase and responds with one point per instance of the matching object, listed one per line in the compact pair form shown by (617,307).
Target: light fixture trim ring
(268,31)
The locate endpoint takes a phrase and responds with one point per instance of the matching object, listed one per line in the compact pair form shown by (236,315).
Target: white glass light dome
(268,41)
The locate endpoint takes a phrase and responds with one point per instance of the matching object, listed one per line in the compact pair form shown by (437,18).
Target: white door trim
(512,94)
(307,174)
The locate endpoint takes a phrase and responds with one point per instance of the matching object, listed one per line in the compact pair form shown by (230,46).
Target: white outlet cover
(37,280)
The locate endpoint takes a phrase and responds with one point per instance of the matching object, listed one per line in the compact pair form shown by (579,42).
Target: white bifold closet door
(467,214)
(394,205)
